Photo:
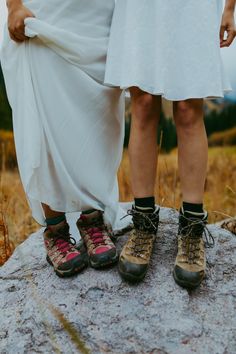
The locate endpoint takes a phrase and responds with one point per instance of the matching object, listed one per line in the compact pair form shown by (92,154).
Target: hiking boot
(190,264)
(61,253)
(136,254)
(96,236)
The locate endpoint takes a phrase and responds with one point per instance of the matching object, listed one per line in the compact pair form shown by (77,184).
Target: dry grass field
(220,199)
(16,222)
(220,196)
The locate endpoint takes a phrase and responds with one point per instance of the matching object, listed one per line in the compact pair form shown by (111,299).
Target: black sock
(89,211)
(145,205)
(192,209)
(56,220)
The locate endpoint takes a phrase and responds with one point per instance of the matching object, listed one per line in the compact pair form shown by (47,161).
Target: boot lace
(98,233)
(142,237)
(63,241)
(191,235)
(141,243)
(142,220)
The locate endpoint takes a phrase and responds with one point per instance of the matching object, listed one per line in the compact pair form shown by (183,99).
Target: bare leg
(190,263)
(49,213)
(143,142)
(133,264)
(192,148)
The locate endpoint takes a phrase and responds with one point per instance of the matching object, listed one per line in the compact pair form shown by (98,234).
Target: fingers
(231,33)
(222,33)
(18,37)
(230,37)
(16,24)
(30,14)
(17,34)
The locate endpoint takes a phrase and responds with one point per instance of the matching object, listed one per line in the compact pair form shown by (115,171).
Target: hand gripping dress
(68,126)
(167,47)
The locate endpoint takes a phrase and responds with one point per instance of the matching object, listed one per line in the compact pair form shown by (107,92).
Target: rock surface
(111,316)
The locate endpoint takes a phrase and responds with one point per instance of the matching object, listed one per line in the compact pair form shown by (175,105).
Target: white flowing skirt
(68,126)
(168,48)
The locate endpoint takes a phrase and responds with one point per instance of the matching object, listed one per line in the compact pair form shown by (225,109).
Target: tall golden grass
(16,223)
(7,150)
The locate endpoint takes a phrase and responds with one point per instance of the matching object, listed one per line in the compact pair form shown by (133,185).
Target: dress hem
(168,97)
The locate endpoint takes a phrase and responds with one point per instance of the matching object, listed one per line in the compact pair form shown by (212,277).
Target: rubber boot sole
(186,284)
(131,277)
(99,264)
(70,272)
(106,263)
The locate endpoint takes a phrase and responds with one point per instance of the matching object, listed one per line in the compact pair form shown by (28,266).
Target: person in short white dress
(169,49)
(68,126)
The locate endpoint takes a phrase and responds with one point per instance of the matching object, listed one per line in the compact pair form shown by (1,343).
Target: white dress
(167,47)
(68,126)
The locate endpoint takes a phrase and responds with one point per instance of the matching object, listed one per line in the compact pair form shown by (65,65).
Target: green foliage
(127,131)
(5,110)
(168,131)
(222,120)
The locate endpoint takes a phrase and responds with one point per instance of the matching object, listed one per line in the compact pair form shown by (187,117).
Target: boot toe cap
(77,262)
(102,259)
(187,278)
(132,271)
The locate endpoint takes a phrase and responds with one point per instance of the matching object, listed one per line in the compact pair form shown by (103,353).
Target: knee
(188,114)
(145,109)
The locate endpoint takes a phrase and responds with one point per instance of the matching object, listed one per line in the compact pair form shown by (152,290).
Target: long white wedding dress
(68,126)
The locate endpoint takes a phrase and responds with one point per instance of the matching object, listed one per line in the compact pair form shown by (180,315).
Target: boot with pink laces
(96,236)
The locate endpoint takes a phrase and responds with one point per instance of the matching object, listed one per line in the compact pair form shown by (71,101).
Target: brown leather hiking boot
(96,236)
(190,263)
(136,254)
(61,253)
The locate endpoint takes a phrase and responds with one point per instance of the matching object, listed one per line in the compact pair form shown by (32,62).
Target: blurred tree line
(220,120)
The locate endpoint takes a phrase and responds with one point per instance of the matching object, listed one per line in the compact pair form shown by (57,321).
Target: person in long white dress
(68,126)
(170,49)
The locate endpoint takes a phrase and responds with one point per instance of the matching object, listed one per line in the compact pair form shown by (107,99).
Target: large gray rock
(111,316)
